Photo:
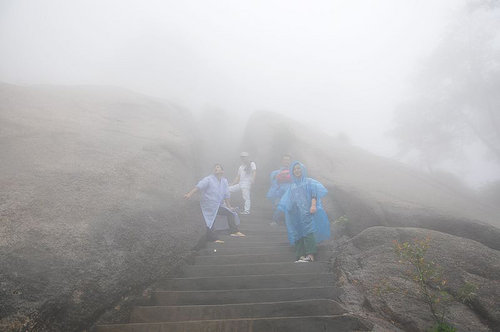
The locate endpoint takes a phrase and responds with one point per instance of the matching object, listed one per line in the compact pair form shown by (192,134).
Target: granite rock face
(91,184)
(374,201)
(91,208)
(370,190)
(377,284)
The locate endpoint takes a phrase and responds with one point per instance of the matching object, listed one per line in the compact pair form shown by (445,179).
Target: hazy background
(359,69)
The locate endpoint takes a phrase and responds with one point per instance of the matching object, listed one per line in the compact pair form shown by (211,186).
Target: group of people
(296,199)
(215,193)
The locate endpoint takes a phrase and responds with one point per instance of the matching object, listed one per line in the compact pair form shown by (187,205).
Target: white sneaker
(245,212)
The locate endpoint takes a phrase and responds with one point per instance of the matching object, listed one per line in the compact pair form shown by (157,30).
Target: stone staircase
(249,284)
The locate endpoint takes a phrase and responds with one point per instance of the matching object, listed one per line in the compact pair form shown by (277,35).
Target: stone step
(261,219)
(258,232)
(245,259)
(258,237)
(253,269)
(239,242)
(220,249)
(258,216)
(345,322)
(248,282)
(256,213)
(243,295)
(262,222)
(320,307)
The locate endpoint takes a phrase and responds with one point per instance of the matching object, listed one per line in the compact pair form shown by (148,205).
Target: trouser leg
(211,236)
(300,249)
(278,216)
(230,219)
(310,244)
(275,210)
(245,192)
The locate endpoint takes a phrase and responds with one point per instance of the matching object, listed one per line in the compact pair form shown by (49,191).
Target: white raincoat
(213,192)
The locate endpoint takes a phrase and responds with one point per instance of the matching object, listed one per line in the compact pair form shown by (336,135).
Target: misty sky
(346,63)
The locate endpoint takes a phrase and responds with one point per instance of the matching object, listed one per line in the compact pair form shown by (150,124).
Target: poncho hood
(304,172)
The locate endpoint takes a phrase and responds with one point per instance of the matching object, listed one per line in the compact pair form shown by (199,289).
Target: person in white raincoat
(214,201)
(244,180)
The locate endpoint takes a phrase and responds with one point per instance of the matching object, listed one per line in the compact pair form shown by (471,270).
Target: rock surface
(91,184)
(375,282)
(91,209)
(370,190)
(379,201)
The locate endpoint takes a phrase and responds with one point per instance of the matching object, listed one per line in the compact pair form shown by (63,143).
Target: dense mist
(394,77)
(114,113)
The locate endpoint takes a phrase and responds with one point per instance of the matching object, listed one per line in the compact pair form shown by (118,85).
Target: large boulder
(377,285)
(370,190)
(91,184)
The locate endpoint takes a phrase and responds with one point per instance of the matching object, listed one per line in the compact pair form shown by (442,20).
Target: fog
(344,67)
(112,110)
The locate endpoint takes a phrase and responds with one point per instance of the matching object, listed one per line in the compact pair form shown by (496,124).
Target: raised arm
(191,193)
(236,180)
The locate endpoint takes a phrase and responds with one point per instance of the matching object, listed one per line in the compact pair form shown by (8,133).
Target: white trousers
(245,193)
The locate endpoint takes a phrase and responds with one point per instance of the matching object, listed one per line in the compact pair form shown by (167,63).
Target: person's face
(218,170)
(285,161)
(297,171)
(244,159)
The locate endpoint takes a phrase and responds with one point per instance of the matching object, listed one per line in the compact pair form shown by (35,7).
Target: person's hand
(313,209)
(187,196)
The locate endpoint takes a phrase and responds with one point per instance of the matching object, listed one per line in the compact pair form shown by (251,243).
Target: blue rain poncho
(277,190)
(296,203)
(213,192)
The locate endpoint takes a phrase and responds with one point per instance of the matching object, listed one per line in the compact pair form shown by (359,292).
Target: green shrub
(342,220)
(442,327)
(427,274)
(467,292)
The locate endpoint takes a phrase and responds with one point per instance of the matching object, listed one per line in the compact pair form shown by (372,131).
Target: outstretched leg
(230,218)
(211,236)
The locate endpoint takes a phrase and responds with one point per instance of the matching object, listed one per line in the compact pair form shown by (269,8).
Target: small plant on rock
(342,220)
(442,327)
(467,292)
(428,277)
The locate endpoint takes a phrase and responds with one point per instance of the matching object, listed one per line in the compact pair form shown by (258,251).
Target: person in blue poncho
(280,181)
(214,201)
(306,221)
